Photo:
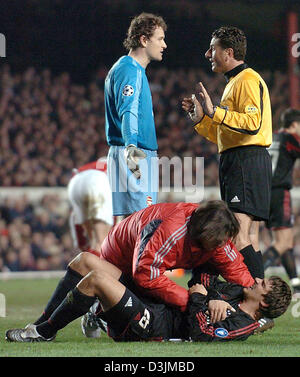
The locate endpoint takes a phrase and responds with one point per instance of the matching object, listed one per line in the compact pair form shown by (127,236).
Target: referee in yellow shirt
(241,126)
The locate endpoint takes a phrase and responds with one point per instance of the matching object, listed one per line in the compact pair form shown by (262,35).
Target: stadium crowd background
(52,123)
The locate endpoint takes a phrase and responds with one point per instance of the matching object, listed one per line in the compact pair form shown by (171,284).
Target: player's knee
(93,277)
(242,240)
(83,263)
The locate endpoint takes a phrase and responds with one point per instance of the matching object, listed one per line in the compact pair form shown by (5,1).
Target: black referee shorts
(281,214)
(245,175)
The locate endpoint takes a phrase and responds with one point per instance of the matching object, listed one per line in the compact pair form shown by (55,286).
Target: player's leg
(281,222)
(126,316)
(289,263)
(85,262)
(120,305)
(254,237)
(284,244)
(97,283)
(130,194)
(66,283)
(77,216)
(98,230)
(96,206)
(79,267)
(74,305)
(243,238)
(245,182)
(78,234)
(282,241)
(243,242)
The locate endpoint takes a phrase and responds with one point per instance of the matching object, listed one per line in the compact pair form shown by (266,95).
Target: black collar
(233,72)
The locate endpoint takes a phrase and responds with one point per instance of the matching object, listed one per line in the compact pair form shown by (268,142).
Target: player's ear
(143,40)
(262,304)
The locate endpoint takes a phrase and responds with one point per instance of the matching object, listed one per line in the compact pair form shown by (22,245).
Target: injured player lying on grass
(216,310)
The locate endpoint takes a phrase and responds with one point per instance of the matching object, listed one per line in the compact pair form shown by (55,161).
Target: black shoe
(264,325)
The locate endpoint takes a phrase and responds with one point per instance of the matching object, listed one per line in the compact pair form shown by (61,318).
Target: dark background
(79,36)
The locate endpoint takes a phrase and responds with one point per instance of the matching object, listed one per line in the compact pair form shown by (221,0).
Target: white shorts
(128,193)
(90,197)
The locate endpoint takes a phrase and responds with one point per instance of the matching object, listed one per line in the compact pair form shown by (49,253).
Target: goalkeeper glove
(195,110)
(132,157)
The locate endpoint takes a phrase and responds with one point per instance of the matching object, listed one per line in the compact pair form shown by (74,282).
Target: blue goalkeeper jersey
(129,115)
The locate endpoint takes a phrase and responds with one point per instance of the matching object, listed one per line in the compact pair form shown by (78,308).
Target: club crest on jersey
(221,332)
(128,91)
(149,201)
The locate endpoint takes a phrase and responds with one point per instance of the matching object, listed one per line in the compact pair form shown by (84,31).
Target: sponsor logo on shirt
(221,332)
(251,109)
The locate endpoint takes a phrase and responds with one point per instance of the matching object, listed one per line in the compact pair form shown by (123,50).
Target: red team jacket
(154,240)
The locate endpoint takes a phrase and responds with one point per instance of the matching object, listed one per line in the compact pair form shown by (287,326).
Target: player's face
(217,56)
(156,45)
(260,288)
(297,128)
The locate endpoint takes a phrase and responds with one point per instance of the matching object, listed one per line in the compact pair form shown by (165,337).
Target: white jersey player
(91,201)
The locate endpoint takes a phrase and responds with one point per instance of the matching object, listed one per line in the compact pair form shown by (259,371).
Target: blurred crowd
(35,235)
(49,125)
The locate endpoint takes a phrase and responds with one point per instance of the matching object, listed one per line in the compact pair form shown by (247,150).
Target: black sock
(72,307)
(288,262)
(270,256)
(260,265)
(68,282)
(121,315)
(253,261)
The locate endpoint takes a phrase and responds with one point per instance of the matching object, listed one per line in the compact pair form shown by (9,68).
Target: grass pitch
(25,300)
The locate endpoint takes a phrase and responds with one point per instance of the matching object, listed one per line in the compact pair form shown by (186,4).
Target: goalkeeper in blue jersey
(129,120)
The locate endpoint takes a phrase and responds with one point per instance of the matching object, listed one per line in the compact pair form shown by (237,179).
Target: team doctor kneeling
(209,310)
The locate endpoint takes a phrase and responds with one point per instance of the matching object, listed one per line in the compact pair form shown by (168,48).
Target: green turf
(25,300)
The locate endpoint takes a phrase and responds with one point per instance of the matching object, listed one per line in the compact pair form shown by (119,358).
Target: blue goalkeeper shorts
(128,193)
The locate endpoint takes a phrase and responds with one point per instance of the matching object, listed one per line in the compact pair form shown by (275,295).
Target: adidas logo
(235,200)
(230,253)
(129,302)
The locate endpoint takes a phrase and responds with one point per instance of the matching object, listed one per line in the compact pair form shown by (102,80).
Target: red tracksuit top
(154,239)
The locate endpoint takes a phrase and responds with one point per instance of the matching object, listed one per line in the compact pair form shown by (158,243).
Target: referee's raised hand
(206,102)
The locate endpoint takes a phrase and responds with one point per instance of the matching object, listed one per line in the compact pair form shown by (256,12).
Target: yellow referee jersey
(244,115)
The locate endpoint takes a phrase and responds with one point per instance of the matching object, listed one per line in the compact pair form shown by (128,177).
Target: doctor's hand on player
(217,308)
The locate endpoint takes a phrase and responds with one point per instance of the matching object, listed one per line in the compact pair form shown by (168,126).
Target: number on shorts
(144,321)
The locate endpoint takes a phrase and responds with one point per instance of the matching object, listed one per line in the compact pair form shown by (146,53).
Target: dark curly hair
(278,298)
(143,24)
(289,116)
(232,37)
(212,224)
